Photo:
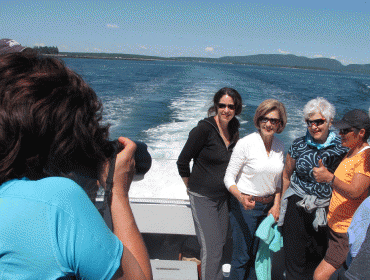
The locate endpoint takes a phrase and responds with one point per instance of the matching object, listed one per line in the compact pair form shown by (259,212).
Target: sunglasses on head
(345,131)
(223,106)
(317,122)
(272,121)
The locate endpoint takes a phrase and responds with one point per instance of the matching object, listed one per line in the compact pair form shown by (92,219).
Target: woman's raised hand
(321,173)
(125,166)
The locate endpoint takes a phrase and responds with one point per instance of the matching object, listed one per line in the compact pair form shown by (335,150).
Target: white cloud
(143,47)
(318,55)
(283,52)
(112,25)
(209,49)
(97,50)
(333,57)
(39,44)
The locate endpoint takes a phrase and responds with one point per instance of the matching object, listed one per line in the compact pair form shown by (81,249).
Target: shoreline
(103,57)
(83,56)
(117,56)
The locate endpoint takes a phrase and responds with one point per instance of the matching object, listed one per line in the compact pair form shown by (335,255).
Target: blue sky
(335,29)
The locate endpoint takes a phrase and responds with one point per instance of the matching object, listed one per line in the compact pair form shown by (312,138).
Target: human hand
(247,201)
(275,211)
(321,173)
(124,169)
(125,166)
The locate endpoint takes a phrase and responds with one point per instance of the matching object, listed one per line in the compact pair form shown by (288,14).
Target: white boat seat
(164,216)
(174,270)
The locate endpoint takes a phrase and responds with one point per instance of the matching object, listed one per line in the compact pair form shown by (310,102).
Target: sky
(338,29)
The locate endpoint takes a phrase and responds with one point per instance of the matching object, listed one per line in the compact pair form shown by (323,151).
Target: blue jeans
(244,224)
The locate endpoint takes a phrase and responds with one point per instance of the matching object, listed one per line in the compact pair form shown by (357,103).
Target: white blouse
(252,170)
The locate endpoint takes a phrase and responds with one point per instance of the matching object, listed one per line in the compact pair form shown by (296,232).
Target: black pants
(303,246)
(211,220)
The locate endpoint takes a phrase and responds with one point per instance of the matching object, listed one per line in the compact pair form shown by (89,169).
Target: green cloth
(271,240)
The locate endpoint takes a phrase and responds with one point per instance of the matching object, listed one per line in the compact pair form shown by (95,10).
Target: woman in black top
(210,146)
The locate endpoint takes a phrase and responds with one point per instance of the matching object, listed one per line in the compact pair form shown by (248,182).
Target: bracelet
(332,181)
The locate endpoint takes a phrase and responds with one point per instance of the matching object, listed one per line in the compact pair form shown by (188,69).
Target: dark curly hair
(49,120)
(234,124)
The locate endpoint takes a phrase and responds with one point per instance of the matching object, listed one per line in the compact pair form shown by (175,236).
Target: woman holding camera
(210,145)
(49,229)
(253,177)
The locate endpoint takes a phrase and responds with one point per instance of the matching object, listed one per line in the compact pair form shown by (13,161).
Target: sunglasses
(317,122)
(272,121)
(345,131)
(223,106)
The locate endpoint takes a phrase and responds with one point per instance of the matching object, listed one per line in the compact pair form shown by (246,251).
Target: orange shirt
(341,209)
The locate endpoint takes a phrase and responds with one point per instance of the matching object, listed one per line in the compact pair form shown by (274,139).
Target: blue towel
(271,239)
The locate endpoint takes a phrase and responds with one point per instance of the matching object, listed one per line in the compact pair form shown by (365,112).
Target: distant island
(274,60)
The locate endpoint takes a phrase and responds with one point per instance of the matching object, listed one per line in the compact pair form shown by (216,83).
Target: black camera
(143,160)
(88,179)
(102,197)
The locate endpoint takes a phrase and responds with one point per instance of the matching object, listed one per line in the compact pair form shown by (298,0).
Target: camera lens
(143,160)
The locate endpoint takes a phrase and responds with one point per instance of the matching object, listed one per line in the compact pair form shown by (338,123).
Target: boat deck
(168,229)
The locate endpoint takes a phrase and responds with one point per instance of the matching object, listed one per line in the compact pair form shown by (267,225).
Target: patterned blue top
(306,154)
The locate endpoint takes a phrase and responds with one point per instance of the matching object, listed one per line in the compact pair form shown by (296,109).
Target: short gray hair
(319,105)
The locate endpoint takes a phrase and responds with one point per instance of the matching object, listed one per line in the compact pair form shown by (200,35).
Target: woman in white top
(253,177)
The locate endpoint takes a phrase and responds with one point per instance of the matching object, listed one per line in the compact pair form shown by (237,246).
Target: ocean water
(159,102)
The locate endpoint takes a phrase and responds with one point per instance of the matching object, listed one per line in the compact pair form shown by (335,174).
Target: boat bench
(164,216)
(174,270)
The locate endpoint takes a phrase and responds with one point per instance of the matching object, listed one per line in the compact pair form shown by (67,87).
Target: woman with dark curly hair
(210,145)
(49,229)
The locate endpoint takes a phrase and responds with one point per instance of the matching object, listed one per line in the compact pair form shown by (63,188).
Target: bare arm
(275,209)
(186,183)
(287,173)
(185,180)
(245,199)
(359,184)
(135,263)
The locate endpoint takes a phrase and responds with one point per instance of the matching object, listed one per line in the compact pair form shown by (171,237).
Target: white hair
(319,105)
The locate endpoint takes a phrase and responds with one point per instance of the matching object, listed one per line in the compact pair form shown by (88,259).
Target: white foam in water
(113,109)
(297,127)
(165,143)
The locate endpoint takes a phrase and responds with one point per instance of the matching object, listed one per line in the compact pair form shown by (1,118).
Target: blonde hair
(266,107)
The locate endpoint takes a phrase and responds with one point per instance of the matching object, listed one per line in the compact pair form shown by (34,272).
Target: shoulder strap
(105,211)
(364,148)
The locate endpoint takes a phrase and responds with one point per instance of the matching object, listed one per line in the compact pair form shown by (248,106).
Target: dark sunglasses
(272,121)
(223,106)
(345,131)
(317,122)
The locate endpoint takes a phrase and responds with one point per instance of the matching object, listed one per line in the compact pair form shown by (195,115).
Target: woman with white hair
(304,200)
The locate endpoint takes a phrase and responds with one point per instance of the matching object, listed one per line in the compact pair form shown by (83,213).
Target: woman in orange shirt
(350,183)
